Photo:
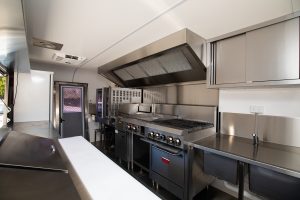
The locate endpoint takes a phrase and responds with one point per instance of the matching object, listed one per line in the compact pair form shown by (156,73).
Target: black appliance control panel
(164,137)
(133,128)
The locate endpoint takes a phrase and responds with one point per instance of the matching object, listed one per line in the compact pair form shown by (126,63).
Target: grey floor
(44,129)
(210,193)
(37,128)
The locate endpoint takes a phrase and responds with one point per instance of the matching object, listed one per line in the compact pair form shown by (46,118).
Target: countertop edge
(247,160)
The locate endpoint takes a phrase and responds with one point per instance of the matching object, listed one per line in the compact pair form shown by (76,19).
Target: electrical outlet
(257,109)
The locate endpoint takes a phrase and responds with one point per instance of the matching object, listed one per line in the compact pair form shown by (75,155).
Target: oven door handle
(165,160)
(177,153)
(170,150)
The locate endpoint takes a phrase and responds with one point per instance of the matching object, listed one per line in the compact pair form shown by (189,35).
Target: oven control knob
(129,127)
(177,141)
(151,135)
(170,140)
(157,136)
(163,137)
(134,128)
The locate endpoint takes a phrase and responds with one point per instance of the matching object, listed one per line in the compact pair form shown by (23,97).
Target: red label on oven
(165,160)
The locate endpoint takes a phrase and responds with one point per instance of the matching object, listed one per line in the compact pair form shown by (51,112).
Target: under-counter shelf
(274,170)
(273,185)
(280,158)
(221,167)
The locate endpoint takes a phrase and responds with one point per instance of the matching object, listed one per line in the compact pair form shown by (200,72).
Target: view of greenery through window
(2,94)
(2,86)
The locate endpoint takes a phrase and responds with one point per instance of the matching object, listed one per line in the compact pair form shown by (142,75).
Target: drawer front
(272,184)
(168,165)
(221,167)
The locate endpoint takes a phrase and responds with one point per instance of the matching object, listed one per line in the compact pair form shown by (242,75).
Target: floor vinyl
(210,193)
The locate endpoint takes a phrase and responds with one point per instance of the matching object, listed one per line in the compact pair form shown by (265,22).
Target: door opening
(72,102)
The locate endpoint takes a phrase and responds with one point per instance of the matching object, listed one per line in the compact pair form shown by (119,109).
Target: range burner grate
(183,124)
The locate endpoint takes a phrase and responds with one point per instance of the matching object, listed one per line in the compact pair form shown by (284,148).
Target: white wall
(90,76)
(32,100)
(94,80)
(276,101)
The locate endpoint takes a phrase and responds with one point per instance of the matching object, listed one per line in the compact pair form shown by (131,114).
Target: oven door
(169,163)
(141,153)
(121,145)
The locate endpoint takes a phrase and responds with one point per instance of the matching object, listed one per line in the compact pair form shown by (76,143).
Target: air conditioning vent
(67,58)
(46,44)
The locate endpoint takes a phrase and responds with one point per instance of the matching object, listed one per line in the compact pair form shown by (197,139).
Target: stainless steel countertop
(27,151)
(280,158)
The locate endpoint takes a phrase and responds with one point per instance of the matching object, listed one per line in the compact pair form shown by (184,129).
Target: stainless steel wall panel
(274,129)
(128,108)
(197,94)
(188,94)
(167,109)
(203,113)
(272,53)
(281,130)
(241,125)
(231,60)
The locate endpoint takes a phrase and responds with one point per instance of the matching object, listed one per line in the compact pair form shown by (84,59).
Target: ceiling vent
(46,44)
(67,59)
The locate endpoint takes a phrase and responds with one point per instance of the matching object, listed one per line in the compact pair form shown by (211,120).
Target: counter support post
(241,171)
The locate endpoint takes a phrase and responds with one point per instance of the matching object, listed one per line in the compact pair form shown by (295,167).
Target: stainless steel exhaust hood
(179,57)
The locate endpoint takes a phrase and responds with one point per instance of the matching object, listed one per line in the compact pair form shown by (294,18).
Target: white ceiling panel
(208,18)
(88,27)
(104,30)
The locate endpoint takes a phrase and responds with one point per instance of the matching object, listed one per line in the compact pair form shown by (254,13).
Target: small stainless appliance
(102,107)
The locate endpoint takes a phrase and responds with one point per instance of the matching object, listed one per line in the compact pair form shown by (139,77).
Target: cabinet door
(230,60)
(273,52)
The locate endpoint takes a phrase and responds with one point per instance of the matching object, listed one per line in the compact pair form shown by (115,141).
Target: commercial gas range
(170,163)
(129,131)
(173,132)
(163,137)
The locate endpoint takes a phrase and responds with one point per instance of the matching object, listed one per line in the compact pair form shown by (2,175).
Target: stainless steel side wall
(191,93)
(128,108)
(275,129)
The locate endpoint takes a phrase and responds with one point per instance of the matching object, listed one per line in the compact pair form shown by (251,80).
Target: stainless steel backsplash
(128,108)
(192,93)
(275,129)
(190,112)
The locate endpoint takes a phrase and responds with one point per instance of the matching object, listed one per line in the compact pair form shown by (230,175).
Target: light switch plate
(257,109)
